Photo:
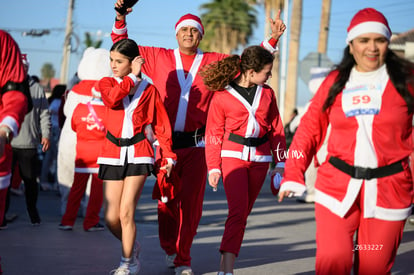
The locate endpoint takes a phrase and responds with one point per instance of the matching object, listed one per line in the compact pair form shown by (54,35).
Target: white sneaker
(122,270)
(183,270)
(169,260)
(127,269)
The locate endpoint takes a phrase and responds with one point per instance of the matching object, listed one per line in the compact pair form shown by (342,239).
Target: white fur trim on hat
(189,22)
(368,27)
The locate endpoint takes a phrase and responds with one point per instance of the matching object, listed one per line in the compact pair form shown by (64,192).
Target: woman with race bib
(364,187)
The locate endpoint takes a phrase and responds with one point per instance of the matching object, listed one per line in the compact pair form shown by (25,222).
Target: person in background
(49,163)
(88,123)
(93,66)
(290,131)
(133,107)
(365,187)
(186,100)
(244,130)
(34,131)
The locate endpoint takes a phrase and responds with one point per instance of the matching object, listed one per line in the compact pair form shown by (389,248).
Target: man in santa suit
(13,108)
(186,100)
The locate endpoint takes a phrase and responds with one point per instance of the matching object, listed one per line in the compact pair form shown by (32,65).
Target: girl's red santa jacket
(127,117)
(90,134)
(365,140)
(230,113)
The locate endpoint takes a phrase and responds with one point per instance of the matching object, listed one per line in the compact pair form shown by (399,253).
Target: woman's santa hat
(190,20)
(368,20)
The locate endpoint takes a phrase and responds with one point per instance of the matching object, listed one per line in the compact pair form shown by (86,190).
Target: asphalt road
(279,239)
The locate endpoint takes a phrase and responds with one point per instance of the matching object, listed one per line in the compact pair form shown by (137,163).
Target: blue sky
(152,23)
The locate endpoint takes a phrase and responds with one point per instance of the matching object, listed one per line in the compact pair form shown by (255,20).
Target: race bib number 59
(362,100)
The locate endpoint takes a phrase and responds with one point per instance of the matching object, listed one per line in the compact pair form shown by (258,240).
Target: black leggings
(27,161)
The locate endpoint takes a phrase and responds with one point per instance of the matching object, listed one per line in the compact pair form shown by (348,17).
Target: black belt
(251,141)
(121,142)
(187,139)
(366,173)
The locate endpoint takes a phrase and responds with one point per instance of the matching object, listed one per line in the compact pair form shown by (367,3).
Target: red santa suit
(186,100)
(129,117)
(93,66)
(88,124)
(370,128)
(80,93)
(244,167)
(13,105)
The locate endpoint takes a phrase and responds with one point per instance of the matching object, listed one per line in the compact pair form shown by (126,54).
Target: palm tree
(293,60)
(90,42)
(228,24)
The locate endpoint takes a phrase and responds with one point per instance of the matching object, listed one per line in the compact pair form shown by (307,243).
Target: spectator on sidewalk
(48,175)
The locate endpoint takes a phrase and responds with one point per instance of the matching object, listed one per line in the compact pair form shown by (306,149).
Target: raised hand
(118,4)
(137,64)
(277,26)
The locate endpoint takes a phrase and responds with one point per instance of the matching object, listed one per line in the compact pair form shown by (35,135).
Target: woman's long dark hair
(400,70)
(127,47)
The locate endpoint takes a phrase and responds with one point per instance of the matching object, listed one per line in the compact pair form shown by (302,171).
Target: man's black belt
(121,142)
(251,141)
(182,140)
(366,173)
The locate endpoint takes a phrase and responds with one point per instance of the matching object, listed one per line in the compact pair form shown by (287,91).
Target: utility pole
(64,68)
(324,29)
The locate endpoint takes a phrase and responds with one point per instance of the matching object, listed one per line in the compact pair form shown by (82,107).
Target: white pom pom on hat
(368,20)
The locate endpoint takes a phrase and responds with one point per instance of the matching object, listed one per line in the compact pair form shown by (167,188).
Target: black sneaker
(96,227)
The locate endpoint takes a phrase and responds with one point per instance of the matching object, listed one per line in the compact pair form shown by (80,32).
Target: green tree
(47,71)
(90,42)
(228,24)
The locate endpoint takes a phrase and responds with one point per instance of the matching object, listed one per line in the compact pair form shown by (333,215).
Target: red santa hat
(190,20)
(368,20)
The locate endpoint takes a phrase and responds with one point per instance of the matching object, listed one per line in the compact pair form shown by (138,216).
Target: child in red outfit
(127,156)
